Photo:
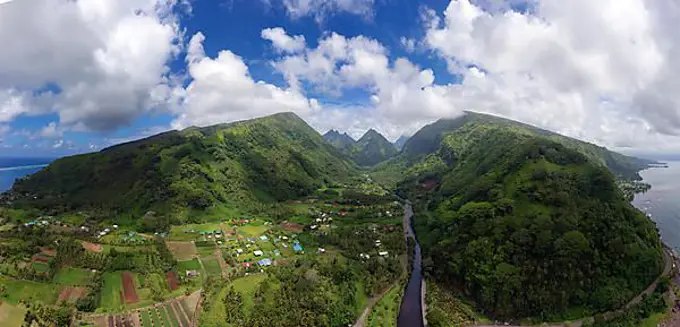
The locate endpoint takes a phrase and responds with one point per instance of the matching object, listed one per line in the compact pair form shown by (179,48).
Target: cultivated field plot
(205,248)
(193,232)
(92,247)
(117,320)
(129,289)
(11,315)
(71,294)
(72,276)
(385,312)
(170,314)
(173,282)
(183,266)
(212,266)
(182,250)
(112,293)
(23,290)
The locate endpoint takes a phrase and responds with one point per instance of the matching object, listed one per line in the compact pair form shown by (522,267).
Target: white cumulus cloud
(320,9)
(97,62)
(222,90)
(598,70)
(282,42)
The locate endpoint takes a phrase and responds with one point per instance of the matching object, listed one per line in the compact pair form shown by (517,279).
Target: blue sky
(97,73)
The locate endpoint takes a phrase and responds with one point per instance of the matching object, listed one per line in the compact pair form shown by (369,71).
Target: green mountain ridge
(423,147)
(239,164)
(525,222)
(338,140)
(371,149)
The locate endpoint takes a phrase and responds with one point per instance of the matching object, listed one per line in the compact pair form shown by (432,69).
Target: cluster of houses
(264,262)
(106,231)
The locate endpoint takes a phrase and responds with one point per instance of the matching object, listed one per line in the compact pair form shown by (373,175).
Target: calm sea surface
(663,201)
(13,168)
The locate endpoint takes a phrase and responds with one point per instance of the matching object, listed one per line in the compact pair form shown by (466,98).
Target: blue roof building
(297,247)
(265,262)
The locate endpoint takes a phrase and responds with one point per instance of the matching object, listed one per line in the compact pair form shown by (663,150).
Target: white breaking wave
(22,167)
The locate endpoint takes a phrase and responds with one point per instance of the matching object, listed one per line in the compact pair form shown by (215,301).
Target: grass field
(191,232)
(384,313)
(206,250)
(72,276)
(29,291)
(11,316)
(246,286)
(193,264)
(654,320)
(252,230)
(182,250)
(111,289)
(41,267)
(212,266)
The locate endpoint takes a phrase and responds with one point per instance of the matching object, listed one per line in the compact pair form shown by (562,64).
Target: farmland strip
(182,316)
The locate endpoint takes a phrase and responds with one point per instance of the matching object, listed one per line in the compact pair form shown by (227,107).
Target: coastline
(23,167)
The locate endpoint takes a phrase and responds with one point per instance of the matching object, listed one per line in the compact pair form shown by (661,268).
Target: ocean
(663,201)
(14,168)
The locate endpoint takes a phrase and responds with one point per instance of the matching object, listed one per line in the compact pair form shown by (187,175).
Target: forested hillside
(522,222)
(372,148)
(273,158)
(342,141)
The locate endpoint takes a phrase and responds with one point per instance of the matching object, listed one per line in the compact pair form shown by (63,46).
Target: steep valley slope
(525,222)
(240,164)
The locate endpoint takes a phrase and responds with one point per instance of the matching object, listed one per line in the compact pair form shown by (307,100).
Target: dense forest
(264,160)
(528,227)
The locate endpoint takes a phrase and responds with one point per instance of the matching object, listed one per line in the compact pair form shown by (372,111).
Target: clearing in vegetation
(23,290)
(292,227)
(129,290)
(92,247)
(173,283)
(193,264)
(72,294)
(182,250)
(111,294)
(41,267)
(385,312)
(40,257)
(212,266)
(72,276)
(11,315)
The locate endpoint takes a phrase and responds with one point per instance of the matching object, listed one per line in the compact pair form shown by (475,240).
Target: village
(140,293)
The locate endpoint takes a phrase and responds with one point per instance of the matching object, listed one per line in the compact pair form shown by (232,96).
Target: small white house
(322,250)
(313,227)
(115,226)
(239,251)
(383,253)
(258,253)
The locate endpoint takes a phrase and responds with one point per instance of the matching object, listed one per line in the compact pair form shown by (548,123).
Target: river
(411,310)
